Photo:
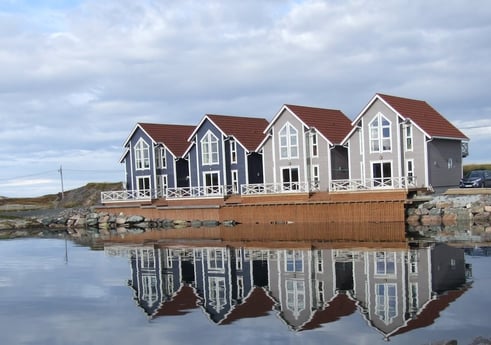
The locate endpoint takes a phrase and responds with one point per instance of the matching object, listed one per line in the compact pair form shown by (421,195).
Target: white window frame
(290,185)
(233,151)
(209,149)
(315,176)
(314,145)
(162,184)
(217,293)
(141,180)
(410,170)
(211,189)
(142,155)
(216,259)
(385,263)
(377,137)
(408,137)
(294,260)
(386,302)
(295,296)
(288,141)
(235,181)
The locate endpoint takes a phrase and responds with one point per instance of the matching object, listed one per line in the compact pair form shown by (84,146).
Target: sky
(77,75)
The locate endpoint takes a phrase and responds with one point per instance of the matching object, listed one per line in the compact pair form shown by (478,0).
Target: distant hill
(86,196)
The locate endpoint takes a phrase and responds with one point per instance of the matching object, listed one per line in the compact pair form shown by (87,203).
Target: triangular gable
(421,114)
(247,131)
(171,136)
(331,124)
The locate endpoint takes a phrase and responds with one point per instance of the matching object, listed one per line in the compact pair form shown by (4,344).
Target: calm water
(53,291)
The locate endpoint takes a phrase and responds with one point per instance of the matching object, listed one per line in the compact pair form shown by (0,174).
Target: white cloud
(77,75)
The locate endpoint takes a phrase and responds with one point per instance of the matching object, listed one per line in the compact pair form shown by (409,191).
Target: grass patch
(470,167)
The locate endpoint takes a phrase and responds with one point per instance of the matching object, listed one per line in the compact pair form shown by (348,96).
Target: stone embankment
(464,217)
(77,221)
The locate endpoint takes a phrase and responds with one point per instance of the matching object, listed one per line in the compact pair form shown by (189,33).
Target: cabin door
(289,178)
(382,174)
(212,183)
(143,187)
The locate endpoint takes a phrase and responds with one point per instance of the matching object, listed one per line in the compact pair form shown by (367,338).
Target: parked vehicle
(476,179)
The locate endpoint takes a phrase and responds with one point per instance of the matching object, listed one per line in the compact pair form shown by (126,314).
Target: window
(385,263)
(408,134)
(382,174)
(410,171)
(295,296)
(143,183)
(216,259)
(450,163)
(235,181)
(319,267)
(314,146)
(162,185)
(233,151)
(216,293)
(380,139)
(209,149)
(315,177)
(290,178)
(288,142)
(212,182)
(385,304)
(160,157)
(293,261)
(142,155)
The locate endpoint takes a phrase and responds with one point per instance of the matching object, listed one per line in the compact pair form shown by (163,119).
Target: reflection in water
(396,290)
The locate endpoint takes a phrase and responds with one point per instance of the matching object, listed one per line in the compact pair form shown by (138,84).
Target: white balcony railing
(259,188)
(125,195)
(195,192)
(373,183)
(272,188)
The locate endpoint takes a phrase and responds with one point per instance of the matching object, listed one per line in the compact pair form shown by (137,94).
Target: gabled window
(408,137)
(142,155)
(380,136)
(233,151)
(288,142)
(209,149)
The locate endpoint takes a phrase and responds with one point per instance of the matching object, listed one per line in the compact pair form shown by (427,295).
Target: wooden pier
(321,207)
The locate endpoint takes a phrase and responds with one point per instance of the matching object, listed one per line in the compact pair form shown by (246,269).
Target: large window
(142,155)
(143,184)
(216,259)
(288,142)
(216,293)
(209,149)
(380,138)
(290,178)
(386,302)
(295,296)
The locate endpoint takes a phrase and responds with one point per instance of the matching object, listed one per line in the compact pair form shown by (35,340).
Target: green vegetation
(85,196)
(470,167)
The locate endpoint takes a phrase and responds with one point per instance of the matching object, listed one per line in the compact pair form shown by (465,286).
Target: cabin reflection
(394,289)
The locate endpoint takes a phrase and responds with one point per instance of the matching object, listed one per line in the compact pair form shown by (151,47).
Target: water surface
(54,291)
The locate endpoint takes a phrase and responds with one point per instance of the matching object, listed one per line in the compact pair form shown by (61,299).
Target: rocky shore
(469,216)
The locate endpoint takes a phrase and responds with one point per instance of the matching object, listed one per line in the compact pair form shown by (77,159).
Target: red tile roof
(427,118)
(257,304)
(333,124)
(247,130)
(174,137)
(340,306)
(180,304)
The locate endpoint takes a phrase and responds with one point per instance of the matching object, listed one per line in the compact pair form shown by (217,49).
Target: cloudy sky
(77,75)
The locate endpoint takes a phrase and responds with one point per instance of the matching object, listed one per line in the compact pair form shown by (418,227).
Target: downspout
(132,167)
(224,164)
(427,164)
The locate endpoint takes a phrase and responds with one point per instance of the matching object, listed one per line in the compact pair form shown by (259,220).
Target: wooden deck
(356,206)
